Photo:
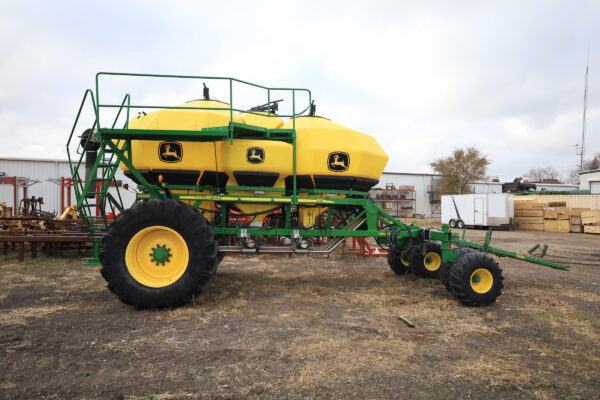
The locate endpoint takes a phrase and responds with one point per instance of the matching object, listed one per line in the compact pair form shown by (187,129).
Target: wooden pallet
(592,229)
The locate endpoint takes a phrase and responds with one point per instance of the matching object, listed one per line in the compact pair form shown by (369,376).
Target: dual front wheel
(424,262)
(474,278)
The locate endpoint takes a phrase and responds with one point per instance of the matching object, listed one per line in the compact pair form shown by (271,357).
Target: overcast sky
(422,77)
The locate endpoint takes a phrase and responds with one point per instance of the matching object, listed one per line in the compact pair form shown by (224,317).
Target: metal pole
(294,197)
(62,194)
(15,212)
(584,120)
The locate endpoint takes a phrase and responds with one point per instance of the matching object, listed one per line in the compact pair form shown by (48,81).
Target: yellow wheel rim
(432,261)
(481,280)
(157,256)
(403,259)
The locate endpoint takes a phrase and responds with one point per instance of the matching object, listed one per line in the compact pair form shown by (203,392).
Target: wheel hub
(482,280)
(432,261)
(160,254)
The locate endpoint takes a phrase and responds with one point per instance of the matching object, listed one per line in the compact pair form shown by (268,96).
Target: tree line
(469,164)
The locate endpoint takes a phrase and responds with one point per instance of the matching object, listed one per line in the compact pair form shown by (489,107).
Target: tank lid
(272,106)
(216,101)
(312,116)
(312,112)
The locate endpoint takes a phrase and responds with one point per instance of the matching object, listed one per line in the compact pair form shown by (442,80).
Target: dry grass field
(274,327)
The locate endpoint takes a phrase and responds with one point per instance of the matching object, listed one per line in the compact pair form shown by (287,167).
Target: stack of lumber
(557,217)
(591,221)
(529,214)
(576,225)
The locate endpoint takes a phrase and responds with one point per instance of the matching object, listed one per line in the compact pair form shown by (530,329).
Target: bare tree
(573,177)
(592,164)
(589,165)
(543,173)
(459,169)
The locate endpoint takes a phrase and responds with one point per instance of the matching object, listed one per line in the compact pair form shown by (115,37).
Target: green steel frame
(115,148)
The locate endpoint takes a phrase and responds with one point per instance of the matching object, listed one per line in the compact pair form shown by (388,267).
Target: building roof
(409,173)
(589,172)
(32,159)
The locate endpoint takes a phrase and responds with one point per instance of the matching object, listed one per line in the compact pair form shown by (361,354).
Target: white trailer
(486,209)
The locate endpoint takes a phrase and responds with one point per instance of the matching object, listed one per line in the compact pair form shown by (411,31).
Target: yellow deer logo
(167,152)
(255,155)
(338,161)
(170,152)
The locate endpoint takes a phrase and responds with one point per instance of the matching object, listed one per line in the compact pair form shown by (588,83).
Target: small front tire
(399,261)
(476,279)
(426,262)
(446,267)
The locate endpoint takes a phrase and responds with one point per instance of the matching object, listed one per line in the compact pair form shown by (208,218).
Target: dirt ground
(274,327)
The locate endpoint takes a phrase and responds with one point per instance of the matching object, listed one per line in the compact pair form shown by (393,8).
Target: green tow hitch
(460,242)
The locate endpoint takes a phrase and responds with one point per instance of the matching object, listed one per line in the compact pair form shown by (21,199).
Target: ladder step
(95,193)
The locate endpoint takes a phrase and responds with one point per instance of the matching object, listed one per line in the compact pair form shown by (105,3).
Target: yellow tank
(262,120)
(264,163)
(181,163)
(331,156)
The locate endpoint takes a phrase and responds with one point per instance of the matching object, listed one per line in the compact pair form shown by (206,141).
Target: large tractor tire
(445,268)
(426,262)
(158,254)
(476,279)
(399,261)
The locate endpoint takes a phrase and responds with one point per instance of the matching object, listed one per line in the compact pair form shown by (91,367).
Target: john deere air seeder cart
(213,178)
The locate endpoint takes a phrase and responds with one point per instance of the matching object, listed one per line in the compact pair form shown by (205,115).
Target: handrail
(81,187)
(98,105)
(85,96)
(231,109)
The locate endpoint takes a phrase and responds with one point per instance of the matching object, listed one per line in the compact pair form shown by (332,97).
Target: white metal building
(486,187)
(44,179)
(425,202)
(590,180)
(556,187)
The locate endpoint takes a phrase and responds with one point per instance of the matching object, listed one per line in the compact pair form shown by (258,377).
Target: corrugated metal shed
(48,173)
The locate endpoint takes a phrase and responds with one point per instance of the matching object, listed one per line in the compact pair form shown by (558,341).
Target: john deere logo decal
(170,152)
(255,155)
(338,161)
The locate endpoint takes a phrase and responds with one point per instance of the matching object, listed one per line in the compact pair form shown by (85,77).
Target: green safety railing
(231,108)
